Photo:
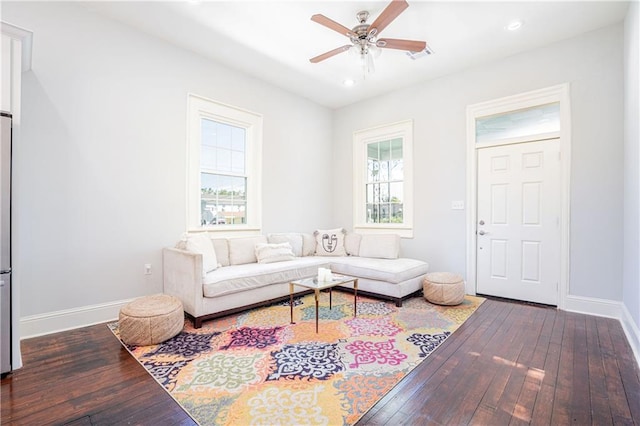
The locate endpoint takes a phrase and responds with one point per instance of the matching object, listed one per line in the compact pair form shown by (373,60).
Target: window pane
(396,213)
(238,138)
(396,149)
(384,171)
(373,170)
(369,193)
(208,132)
(372,151)
(384,213)
(396,193)
(207,157)
(396,170)
(384,192)
(372,213)
(223,199)
(524,122)
(223,135)
(385,150)
(237,162)
(223,160)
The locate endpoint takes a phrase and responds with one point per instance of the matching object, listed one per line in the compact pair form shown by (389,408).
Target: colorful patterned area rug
(257,368)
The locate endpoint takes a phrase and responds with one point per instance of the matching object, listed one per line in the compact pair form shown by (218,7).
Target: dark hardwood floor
(509,363)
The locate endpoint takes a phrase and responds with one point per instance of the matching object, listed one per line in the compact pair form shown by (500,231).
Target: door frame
(559,93)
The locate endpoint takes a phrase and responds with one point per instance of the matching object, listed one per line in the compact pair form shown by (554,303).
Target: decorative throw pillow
(330,242)
(201,243)
(269,253)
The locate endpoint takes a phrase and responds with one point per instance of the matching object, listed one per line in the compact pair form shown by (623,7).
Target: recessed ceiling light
(514,25)
(348,82)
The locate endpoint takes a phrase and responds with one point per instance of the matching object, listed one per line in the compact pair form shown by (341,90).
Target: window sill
(402,230)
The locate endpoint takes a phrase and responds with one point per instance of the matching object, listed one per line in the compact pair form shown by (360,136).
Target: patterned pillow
(269,253)
(330,242)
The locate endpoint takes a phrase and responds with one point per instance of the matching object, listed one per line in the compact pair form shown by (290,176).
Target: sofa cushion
(308,244)
(381,246)
(243,250)
(388,270)
(236,278)
(294,239)
(352,243)
(269,253)
(201,243)
(222,251)
(330,242)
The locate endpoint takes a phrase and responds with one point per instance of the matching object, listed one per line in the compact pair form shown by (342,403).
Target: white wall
(592,64)
(102,160)
(631,282)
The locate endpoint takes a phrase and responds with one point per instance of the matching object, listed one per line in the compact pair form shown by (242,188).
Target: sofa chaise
(214,277)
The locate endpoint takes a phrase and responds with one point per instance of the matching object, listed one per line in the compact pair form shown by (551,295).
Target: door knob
(481,222)
(481,232)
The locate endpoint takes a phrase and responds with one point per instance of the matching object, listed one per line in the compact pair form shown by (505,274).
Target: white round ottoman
(443,288)
(151,319)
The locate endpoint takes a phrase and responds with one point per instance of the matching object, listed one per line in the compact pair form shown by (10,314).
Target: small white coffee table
(316,286)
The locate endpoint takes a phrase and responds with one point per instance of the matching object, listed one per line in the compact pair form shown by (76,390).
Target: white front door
(518,221)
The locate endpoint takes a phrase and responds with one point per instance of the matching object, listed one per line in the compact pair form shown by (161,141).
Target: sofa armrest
(182,278)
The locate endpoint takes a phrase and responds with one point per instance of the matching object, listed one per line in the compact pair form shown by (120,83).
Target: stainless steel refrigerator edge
(5,244)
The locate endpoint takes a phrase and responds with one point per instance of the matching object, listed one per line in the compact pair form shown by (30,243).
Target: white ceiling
(274,40)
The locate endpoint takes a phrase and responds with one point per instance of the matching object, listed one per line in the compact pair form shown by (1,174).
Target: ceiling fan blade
(333,25)
(330,53)
(390,13)
(408,45)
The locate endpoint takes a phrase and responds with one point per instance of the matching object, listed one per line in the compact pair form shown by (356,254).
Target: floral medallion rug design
(257,368)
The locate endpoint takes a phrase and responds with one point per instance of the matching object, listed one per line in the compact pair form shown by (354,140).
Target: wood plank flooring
(508,364)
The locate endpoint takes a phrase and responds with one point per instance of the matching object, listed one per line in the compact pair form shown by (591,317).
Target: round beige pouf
(151,319)
(443,288)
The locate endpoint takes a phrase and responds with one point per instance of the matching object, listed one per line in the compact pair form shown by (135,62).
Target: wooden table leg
(291,301)
(317,294)
(355,297)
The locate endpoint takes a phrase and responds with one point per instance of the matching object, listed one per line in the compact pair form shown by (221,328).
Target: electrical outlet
(147,269)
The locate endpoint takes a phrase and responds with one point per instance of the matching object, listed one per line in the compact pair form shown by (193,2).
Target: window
(383,181)
(518,124)
(224,167)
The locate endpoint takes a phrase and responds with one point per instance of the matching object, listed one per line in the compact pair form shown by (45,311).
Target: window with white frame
(383,179)
(225,145)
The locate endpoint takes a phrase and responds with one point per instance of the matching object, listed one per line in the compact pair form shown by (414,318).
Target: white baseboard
(632,331)
(53,322)
(593,306)
(609,309)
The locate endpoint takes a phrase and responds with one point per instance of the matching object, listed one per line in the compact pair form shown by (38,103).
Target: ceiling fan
(363,37)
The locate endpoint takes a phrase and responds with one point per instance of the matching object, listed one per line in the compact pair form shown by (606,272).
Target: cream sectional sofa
(236,274)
